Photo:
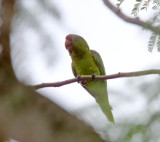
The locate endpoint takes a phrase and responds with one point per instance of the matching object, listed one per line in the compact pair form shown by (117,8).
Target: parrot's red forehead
(68,42)
(69,37)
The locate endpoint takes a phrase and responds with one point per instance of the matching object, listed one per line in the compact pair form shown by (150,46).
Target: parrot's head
(76,44)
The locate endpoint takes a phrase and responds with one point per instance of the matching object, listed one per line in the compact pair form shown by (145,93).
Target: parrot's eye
(75,39)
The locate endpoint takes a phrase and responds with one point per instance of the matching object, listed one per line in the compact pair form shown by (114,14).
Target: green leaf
(158,43)
(119,3)
(145,5)
(135,10)
(152,41)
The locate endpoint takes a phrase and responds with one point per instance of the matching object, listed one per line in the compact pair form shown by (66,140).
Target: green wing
(100,90)
(73,70)
(99,61)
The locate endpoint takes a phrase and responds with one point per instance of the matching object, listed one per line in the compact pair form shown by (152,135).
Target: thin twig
(97,77)
(135,21)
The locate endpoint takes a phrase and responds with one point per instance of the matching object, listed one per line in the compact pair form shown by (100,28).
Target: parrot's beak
(68,43)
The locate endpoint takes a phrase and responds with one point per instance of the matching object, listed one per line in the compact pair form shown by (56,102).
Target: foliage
(147,129)
(119,2)
(153,5)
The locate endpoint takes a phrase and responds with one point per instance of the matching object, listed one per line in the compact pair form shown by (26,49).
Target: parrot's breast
(86,66)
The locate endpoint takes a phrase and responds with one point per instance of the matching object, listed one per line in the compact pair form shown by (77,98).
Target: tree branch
(98,77)
(135,21)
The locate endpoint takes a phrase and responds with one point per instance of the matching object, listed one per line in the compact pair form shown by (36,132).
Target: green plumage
(88,62)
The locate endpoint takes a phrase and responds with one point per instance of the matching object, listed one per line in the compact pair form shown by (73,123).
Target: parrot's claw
(78,78)
(93,76)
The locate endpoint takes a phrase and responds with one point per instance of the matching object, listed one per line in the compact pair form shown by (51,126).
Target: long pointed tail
(102,100)
(98,90)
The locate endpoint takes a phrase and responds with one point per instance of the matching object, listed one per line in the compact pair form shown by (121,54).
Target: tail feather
(105,107)
(99,91)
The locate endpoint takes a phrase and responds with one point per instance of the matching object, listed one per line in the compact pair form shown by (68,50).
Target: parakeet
(89,62)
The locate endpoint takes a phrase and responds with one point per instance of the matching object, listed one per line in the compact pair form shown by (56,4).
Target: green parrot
(89,62)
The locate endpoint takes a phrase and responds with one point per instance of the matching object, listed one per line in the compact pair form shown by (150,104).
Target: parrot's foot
(83,83)
(78,78)
(93,76)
